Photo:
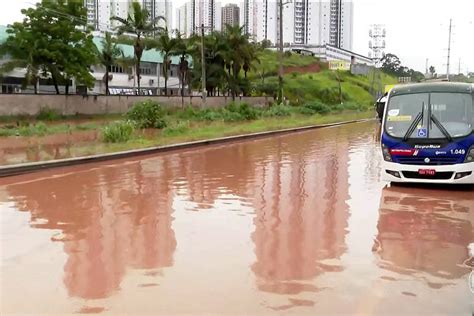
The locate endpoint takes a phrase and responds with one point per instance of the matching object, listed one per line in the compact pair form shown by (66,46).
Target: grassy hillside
(305,86)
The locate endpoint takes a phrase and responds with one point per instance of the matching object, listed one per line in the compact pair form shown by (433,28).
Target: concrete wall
(26,104)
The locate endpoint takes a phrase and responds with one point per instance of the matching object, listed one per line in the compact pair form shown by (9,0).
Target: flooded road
(296,224)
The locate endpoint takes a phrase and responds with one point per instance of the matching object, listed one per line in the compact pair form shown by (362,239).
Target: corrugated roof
(152,55)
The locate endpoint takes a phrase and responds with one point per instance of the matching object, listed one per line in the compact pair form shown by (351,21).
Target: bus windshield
(430,115)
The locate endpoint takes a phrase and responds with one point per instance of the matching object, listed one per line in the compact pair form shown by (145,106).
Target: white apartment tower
(161,8)
(100,12)
(184,22)
(306,22)
(199,12)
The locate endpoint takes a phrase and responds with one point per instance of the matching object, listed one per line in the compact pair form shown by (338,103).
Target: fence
(27,104)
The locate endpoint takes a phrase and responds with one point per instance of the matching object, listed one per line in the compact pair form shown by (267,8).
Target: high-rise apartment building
(306,22)
(184,23)
(161,8)
(230,15)
(100,12)
(199,12)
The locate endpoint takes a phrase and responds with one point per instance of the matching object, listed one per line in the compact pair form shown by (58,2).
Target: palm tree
(182,50)
(167,46)
(108,57)
(238,41)
(139,24)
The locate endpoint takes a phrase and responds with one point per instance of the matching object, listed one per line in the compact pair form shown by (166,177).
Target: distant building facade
(230,15)
(100,12)
(305,22)
(195,13)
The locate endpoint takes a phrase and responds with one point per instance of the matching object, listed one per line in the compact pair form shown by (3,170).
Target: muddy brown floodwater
(295,224)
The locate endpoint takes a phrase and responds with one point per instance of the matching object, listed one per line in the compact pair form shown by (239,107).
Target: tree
(60,43)
(182,50)
(391,64)
(138,23)
(108,57)
(21,55)
(432,71)
(167,46)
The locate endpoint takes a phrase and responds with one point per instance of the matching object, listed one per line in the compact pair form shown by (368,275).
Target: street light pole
(280,51)
(203,66)
(280,54)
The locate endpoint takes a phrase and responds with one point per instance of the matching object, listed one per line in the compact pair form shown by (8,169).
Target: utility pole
(280,55)
(459,66)
(203,66)
(280,50)
(426,66)
(449,49)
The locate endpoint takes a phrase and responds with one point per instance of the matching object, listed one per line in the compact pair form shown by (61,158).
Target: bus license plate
(426,172)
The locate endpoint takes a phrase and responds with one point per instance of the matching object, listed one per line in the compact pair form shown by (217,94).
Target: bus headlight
(386,153)
(470,155)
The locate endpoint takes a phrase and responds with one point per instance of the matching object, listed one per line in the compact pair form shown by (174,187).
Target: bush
(147,114)
(353,106)
(209,115)
(47,114)
(279,110)
(116,132)
(231,116)
(187,113)
(178,129)
(315,107)
(246,111)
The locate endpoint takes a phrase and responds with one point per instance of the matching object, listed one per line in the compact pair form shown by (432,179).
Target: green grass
(268,62)
(323,86)
(216,129)
(43,129)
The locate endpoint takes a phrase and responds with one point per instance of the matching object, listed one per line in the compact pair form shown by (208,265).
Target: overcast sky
(416,29)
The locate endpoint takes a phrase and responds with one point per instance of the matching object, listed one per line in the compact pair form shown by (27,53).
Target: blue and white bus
(427,133)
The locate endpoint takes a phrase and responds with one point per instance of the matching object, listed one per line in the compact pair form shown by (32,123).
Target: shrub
(187,113)
(231,116)
(209,115)
(47,114)
(178,129)
(315,107)
(247,111)
(353,106)
(147,114)
(116,132)
(279,110)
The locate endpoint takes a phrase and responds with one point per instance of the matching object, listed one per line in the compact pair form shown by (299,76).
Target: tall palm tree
(238,41)
(167,46)
(139,24)
(108,57)
(182,49)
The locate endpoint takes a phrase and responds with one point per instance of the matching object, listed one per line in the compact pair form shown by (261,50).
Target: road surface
(296,224)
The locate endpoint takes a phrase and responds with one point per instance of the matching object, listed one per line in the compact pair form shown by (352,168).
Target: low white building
(331,53)
(122,81)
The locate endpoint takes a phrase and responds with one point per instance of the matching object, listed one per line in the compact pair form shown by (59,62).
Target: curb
(18,169)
